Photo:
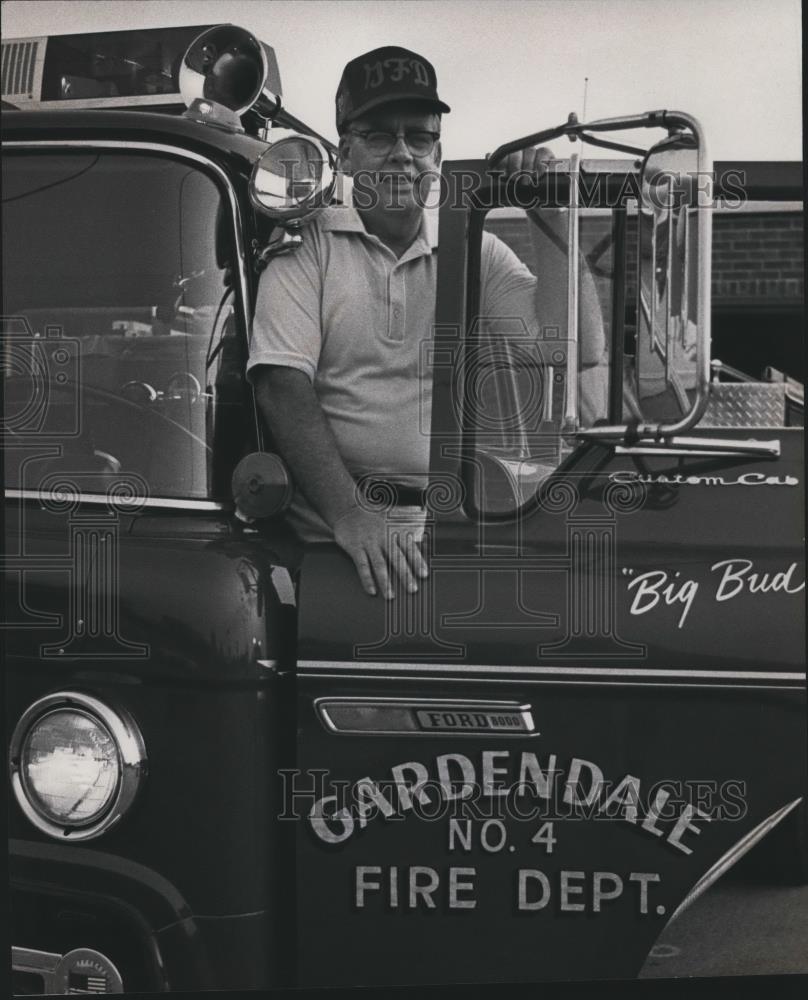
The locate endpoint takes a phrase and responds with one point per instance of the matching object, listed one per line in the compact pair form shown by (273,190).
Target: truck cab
(231,767)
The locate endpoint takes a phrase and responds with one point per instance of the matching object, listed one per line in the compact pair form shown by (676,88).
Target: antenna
(586,87)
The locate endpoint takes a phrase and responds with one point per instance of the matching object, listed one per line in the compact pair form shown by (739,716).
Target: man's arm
(552,288)
(549,242)
(289,405)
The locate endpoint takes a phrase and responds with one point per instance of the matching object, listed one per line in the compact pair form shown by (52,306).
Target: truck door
(593,706)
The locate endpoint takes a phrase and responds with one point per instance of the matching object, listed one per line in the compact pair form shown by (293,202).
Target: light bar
(106,69)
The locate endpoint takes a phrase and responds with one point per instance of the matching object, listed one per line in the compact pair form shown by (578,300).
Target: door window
(518,411)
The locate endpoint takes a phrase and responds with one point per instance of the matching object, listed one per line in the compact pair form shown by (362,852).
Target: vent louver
(19,63)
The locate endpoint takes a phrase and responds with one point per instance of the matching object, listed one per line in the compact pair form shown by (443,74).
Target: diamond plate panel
(745,404)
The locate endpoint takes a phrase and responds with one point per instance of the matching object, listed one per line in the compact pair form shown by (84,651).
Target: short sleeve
(508,287)
(287,326)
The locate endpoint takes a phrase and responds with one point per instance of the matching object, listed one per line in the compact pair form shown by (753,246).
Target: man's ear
(344,154)
(438,153)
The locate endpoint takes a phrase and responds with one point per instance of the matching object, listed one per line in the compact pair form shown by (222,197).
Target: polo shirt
(356,319)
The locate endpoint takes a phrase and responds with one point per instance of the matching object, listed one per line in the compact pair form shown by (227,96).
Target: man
(336,346)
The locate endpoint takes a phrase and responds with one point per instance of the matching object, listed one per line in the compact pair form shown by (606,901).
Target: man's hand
(532,161)
(378,548)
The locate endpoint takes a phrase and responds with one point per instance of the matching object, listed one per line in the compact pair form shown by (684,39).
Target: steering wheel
(183,385)
(138,392)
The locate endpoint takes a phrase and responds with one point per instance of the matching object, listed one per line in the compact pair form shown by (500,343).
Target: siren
(227,67)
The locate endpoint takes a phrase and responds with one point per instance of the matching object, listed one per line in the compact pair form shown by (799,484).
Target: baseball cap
(382,76)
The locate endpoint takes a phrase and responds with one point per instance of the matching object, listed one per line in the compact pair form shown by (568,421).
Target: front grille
(67,945)
(19,62)
(81,970)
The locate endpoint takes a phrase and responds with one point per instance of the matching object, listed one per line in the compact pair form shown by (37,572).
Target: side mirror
(293,179)
(261,486)
(673,286)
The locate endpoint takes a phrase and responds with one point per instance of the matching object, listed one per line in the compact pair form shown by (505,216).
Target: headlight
(76,765)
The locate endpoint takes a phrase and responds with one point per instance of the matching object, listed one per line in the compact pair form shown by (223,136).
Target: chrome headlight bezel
(132,763)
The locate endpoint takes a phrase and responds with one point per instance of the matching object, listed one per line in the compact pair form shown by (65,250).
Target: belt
(382,490)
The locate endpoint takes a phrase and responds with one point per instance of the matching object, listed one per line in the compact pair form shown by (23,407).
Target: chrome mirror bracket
(648,441)
(289,240)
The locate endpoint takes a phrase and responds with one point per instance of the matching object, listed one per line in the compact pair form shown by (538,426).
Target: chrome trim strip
(113,103)
(709,445)
(131,759)
(573,279)
(177,152)
(759,448)
(734,854)
(414,705)
(137,502)
(498,668)
(31,960)
(521,679)
(39,963)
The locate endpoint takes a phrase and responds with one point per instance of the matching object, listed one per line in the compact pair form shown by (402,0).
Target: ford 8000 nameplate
(399,716)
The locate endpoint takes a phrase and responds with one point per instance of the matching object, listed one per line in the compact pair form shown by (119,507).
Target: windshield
(122,355)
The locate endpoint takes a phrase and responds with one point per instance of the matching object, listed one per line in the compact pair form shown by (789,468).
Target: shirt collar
(341,219)
(346,219)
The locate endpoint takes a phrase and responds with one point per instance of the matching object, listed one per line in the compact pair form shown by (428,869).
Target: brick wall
(757,257)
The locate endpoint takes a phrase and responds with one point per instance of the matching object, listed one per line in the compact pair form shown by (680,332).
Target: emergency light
(140,69)
(228,66)
(211,73)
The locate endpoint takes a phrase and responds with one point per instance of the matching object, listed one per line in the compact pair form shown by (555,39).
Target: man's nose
(400,150)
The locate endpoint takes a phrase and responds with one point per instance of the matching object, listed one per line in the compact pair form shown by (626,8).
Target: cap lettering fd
(382,76)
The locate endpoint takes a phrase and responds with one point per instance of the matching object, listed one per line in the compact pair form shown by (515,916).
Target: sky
(512,67)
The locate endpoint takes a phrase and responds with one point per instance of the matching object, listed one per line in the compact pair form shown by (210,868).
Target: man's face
(390,179)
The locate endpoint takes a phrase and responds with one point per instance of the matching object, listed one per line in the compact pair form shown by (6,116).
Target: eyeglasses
(420,142)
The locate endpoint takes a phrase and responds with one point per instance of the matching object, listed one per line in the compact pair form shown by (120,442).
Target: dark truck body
(259,674)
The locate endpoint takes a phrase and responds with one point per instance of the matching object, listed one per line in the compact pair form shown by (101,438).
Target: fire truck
(232,768)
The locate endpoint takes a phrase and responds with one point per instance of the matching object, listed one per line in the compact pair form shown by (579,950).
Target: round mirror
(261,485)
(669,281)
(292,179)
(670,178)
